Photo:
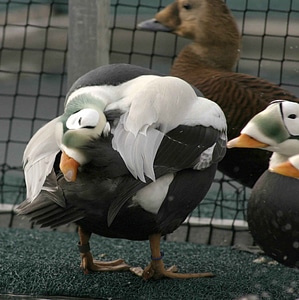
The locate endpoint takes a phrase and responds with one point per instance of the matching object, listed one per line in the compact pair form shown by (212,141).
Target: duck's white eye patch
(290,112)
(85,118)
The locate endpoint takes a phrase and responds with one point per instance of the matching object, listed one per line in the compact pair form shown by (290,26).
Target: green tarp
(46,263)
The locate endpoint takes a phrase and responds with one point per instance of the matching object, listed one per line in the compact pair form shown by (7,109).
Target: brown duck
(207,63)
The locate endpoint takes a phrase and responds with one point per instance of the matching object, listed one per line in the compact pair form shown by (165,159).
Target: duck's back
(241,96)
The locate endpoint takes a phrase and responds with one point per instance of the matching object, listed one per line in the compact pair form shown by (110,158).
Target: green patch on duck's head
(82,122)
(276,125)
(268,126)
(272,127)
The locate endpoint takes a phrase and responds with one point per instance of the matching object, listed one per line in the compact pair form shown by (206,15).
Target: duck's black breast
(273,217)
(133,222)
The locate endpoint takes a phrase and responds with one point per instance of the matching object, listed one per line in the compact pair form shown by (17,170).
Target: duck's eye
(187,6)
(85,118)
(292,116)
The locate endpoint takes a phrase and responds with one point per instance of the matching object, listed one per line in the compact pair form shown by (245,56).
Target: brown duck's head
(208,23)
(197,19)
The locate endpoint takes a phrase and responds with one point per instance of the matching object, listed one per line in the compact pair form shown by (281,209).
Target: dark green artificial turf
(34,262)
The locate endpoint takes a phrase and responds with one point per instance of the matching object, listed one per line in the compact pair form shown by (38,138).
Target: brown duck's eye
(292,116)
(187,6)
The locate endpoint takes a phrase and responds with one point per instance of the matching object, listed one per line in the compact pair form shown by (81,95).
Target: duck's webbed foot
(89,264)
(156,269)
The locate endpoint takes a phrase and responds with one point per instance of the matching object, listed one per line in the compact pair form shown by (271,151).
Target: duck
(208,63)
(275,129)
(273,207)
(131,156)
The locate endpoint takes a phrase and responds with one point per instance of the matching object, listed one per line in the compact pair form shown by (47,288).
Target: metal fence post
(88,36)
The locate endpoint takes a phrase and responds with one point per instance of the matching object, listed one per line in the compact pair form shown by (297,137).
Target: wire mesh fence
(33,84)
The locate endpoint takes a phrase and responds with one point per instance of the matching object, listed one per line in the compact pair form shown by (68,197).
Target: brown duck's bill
(152,25)
(286,169)
(245,141)
(69,167)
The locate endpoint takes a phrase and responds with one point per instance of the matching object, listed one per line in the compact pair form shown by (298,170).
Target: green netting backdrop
(33,73)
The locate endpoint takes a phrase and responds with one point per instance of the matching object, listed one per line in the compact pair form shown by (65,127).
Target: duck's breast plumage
(273,217)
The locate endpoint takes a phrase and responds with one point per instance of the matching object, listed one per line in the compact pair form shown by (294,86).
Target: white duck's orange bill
(245,141)
(286,169)
(69,167)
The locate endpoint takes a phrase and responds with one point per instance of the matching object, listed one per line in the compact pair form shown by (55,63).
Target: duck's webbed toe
(89,264)
(156,269)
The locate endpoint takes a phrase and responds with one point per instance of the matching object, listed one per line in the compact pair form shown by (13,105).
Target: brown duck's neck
(194,56)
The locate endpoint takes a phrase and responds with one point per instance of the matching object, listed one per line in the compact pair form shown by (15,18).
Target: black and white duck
(273,207)
(139,153)
(208,62)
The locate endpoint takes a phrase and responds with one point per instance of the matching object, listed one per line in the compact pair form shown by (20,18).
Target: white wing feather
(39,157)
(138,152)
(164,104)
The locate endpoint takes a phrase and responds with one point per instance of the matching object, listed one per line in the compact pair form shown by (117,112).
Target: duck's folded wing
(39,157)
(185,147)
(191,147)
(49,209)
(165,104)
(47,213)
(167,129)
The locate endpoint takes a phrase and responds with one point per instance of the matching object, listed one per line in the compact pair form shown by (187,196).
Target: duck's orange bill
(286,169)
(245,141)
(69,167)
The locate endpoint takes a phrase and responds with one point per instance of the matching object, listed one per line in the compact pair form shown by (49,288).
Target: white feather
(276,159)
(39,157)
(205,159)
(112,97)
(168,102)
(138,151)
(160,106)
(294,160)
(151,197)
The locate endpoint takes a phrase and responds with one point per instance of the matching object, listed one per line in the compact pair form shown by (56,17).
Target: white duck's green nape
(274,129)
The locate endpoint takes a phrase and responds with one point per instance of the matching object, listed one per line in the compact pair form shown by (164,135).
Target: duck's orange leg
(87,261)
(156,269)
